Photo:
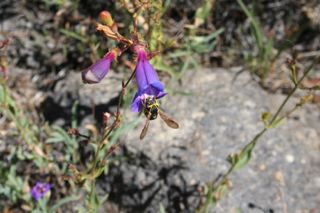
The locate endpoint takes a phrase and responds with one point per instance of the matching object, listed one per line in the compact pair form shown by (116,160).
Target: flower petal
(157,85)
(141,76)
(136,105)
(39,190)
(161,94)
(147,82)
(153,89)
(150,73)
(96,72)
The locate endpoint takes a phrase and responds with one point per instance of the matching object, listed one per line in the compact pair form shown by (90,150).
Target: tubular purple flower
(97,71)
(147,81)
(39,190)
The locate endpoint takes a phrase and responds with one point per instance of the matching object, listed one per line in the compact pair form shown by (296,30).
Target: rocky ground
(218,116)
(218,109)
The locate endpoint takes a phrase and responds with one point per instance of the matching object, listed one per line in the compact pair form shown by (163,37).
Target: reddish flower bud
(106,18)
(106,117)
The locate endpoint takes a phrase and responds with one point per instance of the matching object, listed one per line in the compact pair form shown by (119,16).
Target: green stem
(256,138)
(114,125)
(296,86)
(232,168)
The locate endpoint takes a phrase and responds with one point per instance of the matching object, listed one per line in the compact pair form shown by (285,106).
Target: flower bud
(96,72)
(106,117)
(106,18)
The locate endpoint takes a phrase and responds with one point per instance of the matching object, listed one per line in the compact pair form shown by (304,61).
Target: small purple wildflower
(39,190)
(97,71)
(147,81)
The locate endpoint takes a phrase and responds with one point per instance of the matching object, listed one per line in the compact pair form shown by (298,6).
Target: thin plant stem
(221,181)
(114,125)
(296,86)
(232,168)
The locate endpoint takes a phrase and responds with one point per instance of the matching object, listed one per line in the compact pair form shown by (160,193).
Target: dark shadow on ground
(139,184)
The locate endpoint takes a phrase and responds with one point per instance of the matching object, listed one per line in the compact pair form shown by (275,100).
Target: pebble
(278,176)
(263,167)
(289,158)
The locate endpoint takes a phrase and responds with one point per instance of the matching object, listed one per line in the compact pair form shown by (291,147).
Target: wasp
(151,111)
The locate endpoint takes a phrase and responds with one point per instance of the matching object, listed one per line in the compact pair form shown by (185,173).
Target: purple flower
(39,190)
(97,71)
(147,81)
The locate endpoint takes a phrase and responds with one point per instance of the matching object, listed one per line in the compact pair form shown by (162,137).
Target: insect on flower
(151,111)
(149,90)
(147,81)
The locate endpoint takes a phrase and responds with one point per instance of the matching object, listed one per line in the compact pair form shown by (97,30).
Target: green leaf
(123,129)
(5,190)
(178,54)
(203,12)
(166,5)
(74,109)
(159,64)
(64,201)
(209,199)
(245,156)
(42,204)
(265,117)
(104,198)
(60,135)
(12,109)
(255,26)
(93,200)
(238,161)
(74,35)
(97,172)
(277,122)
(208,38)
(2,94)
(233,158)
(161,208)
(220,191)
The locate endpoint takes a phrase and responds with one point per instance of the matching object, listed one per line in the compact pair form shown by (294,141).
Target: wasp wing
(145,129)
(169,121)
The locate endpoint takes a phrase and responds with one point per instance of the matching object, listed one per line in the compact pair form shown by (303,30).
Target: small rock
(278,176)
(262,167)
(289,158)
